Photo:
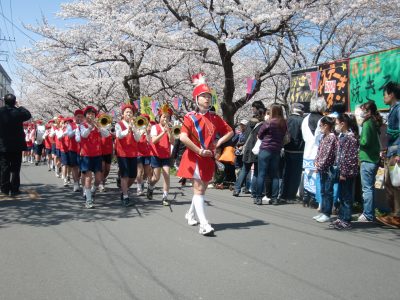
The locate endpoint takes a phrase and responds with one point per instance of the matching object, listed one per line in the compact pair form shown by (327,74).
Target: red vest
(107,145)
(144,148)
(127,146)
(47,141)
(73,144)
(91,145)
(162,149)
(58,142)
(64,144)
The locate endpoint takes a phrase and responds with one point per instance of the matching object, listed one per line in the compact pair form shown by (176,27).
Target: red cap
(60,117)
(89,108)
(153,122)
(39,122)
(50,122)
(25,124)
(125,106)
(201,89)
(78,112)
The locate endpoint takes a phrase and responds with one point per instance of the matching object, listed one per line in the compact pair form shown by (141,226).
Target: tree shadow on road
(45,205)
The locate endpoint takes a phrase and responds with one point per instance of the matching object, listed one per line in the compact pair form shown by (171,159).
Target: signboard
(303,86)
(369,74)
(334,82)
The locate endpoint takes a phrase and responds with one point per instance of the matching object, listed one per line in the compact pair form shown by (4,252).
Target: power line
(11,13)
(16,27)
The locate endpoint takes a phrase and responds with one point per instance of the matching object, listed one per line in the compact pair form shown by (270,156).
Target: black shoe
(149,194)
(274,202)
(126,202)
(4,193)
(119,182)
(235,194)
(15,193)
(36,163)
(259,201)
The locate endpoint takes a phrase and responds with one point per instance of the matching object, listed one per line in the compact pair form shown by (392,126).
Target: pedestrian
(48,144)
(392,98)
(38,145)
(271,134)
(311,134)
(369,156)
(249,158)
(347,164)
(144,171)
(126,146)
(199,131)
(293,154)
(91,155)
(12,143)
(161,140)
(324,162)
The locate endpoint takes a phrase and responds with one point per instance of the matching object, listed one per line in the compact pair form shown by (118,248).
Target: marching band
(82,148)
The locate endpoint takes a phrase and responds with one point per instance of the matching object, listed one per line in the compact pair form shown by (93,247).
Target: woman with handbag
(347,163)
(271,134)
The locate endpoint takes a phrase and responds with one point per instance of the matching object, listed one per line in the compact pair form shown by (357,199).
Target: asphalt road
(53,248)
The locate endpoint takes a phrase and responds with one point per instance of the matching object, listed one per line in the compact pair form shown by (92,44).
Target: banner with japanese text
(369,74)
(303,85)
(333,83)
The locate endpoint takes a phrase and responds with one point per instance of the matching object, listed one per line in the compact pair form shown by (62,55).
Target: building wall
(5,85)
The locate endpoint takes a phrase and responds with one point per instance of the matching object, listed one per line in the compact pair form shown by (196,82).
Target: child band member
(144,158)
(91,155)
(162,139)
(126,149)
(198,133)
(74,146)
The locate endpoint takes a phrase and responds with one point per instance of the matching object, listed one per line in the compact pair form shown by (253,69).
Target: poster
(369,74)
(303,85)
(333,84)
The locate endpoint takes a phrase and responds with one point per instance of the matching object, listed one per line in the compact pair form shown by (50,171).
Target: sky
(19,12)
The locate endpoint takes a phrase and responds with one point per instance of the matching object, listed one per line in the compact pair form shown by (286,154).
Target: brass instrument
(176,131)
(140,122)
(104,120)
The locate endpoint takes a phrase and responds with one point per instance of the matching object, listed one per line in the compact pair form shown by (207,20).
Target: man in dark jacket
(12,143)
(294,151)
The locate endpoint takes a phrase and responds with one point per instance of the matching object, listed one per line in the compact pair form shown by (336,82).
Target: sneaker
(363,218)
(89,204)
(65,182)
(323,219)
(259,201)
(36,163)
(235,194)
(68,179)
(102,189)
(317,216)
(342,225)
(58,175)
(334,223)
(76,188)
(139,193)
(206,230)
(149,194)
(266,200)
(191,219)
(126,202)
(93,189)
(165,201)
(49,170)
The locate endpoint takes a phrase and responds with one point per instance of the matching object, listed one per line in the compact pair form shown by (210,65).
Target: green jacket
(369,142)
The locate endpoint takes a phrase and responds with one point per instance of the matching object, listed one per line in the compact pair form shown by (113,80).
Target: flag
(251,85)
(175,102)
(137,104)
(214,100)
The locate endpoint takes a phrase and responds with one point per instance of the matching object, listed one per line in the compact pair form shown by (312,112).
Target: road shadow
(239,226)
(49,204)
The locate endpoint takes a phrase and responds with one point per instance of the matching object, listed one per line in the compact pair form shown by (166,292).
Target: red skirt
(206,166)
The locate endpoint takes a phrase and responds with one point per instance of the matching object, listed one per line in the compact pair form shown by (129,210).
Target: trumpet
(140,122)
(176,131)
(104,120)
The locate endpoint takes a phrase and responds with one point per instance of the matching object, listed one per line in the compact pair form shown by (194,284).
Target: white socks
(88,195)
(165,194)
(198,202)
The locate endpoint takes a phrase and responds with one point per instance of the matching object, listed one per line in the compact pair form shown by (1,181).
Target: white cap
(244,122)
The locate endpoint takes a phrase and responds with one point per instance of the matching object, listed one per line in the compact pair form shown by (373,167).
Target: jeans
(292,174)
(242,177)
(268,162)
(10,167)
(326,193)
(346,188)
(368,172)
